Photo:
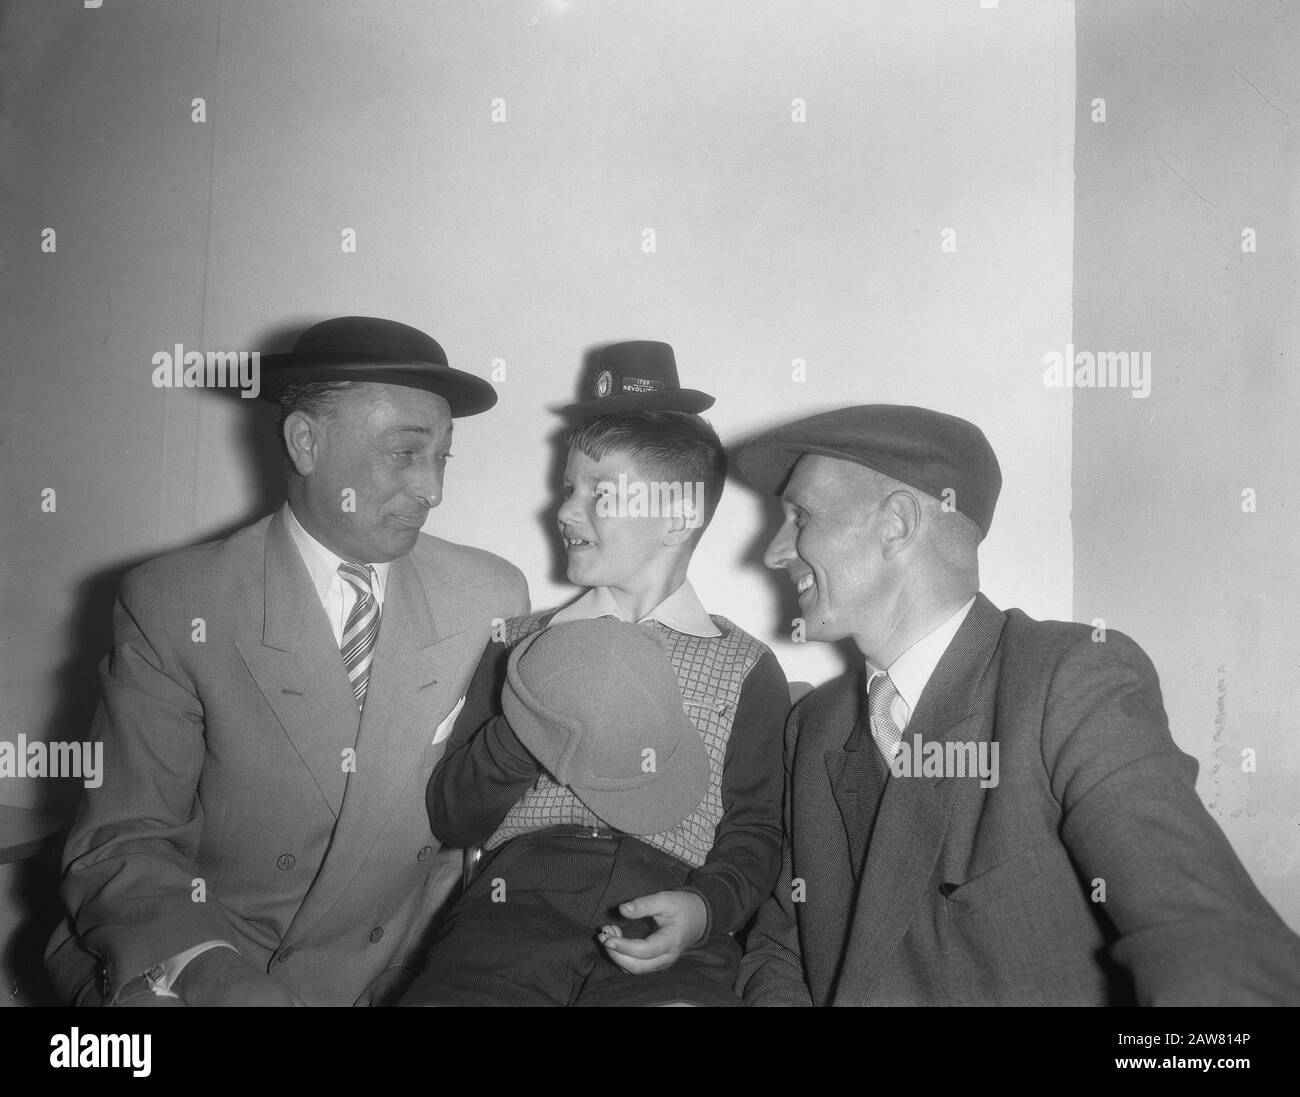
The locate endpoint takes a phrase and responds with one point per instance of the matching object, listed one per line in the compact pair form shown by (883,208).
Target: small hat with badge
(369,348)
(929,450)
(640,375)
(598,705)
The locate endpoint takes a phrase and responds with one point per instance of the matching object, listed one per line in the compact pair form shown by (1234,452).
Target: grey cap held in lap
(597,704)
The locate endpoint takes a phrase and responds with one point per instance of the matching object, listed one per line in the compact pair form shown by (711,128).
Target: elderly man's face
(376,471)
(829,545)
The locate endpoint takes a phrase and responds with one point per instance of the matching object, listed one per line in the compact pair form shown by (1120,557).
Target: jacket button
(376,934)
(286,861)
(425,853)
(285,953)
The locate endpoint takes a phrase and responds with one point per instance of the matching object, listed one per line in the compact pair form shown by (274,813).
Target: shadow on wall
(77,685)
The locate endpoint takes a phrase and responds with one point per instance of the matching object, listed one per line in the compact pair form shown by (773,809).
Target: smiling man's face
(829,544)
(371,475)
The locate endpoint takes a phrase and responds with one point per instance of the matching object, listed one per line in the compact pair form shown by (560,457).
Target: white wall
(775,240)
(1195,150)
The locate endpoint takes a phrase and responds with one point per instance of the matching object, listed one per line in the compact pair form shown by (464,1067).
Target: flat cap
(926,449)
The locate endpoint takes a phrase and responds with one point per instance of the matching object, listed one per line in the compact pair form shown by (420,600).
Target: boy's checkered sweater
(711,671)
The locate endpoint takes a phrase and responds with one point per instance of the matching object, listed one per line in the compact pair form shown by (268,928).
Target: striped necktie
(881,692)
(361,629)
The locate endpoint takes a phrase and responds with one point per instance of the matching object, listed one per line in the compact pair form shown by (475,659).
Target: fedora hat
(369,348)
(640,375)
(598,705)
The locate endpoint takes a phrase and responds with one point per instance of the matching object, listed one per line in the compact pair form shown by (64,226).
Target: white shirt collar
(323,565)
(681,611)
(912,670)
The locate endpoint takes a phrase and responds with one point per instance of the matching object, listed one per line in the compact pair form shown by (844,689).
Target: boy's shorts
(524,932)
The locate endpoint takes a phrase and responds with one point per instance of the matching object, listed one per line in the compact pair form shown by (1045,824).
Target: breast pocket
(436,745)
(444,729)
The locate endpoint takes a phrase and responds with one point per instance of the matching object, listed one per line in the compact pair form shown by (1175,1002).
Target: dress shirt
(335,595)
(681,611)
(912,670)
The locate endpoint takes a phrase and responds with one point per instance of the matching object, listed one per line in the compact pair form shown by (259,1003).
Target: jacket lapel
(846,766)
(298,668)
(914,813)
(412,686)
(840,724)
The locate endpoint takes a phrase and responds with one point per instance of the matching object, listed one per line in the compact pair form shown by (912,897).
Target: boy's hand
(681,917)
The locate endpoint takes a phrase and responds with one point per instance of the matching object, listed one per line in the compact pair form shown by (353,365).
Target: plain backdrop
(521,243)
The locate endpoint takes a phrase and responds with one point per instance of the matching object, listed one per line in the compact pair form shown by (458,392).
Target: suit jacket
(231,808)
(1090,873)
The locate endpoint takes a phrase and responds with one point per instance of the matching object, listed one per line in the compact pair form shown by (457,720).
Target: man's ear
(302,438)
(901,511)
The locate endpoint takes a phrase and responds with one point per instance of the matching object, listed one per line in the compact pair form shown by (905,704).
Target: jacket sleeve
(131,882)
(409,955)
(1192,927)
(485,769)
(771,972)
(741,867)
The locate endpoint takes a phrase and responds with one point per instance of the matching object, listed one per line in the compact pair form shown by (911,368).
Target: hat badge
(604,383)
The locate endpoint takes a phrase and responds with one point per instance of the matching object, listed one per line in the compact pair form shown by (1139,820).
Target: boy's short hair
(671,446)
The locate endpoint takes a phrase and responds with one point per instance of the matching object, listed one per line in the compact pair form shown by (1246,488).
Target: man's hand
(681,917)
(221,977)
